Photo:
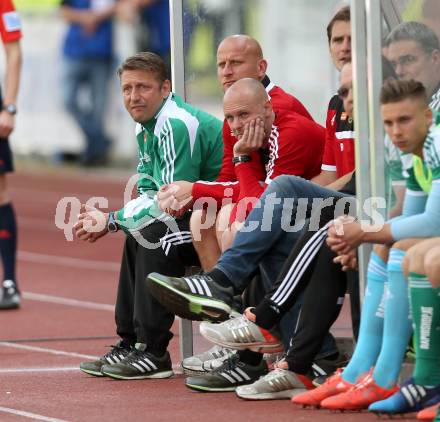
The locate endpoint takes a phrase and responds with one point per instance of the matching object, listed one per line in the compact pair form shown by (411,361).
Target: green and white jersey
(180,143)
(420,216)
(392,153)
(431,163)
(393,162)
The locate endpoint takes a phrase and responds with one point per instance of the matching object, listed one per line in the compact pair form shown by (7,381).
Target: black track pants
(139,317)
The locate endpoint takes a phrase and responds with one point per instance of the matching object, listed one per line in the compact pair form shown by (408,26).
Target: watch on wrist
(241,159)
(10,108)
(112,226)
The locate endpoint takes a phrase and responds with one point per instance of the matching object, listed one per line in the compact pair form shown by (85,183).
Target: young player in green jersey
(372,373)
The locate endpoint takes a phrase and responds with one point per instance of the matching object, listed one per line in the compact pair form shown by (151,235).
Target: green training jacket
(181,142)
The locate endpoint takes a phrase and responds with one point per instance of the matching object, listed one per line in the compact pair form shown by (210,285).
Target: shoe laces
(115,348)
(230,363)
(275,373)
(238,322)
(134,355)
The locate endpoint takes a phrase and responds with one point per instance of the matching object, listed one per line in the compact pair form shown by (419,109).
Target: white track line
(176,368)
(88,264)
(45,350)
(30,415)
(37,224)
(55,369)
(68,302)
(53,197)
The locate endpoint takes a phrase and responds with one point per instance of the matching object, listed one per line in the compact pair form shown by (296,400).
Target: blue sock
(397,324)
(370,330)
(8,240)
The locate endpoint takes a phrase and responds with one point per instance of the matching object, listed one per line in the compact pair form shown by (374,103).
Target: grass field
(36,5)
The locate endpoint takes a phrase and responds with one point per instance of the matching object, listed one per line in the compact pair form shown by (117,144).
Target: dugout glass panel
(293,38)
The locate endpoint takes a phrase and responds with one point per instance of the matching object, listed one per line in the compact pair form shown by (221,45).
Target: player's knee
(414,260)
(432,266)
(405,244)
(382,252)
(201,224)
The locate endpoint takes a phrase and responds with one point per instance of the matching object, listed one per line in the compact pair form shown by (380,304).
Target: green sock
(437,418)
(425,301)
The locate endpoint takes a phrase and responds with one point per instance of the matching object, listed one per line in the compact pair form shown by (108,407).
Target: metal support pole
(360,92)
(178,81)
(374,71)
(177,48)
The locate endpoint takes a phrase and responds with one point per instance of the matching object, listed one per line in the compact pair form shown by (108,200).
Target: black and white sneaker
(114,356)
(324,368)
(140,364)
(9,295)
(230,375)
(197,298)
(206,361)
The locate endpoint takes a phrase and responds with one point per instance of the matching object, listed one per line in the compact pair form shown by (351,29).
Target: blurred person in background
(155,22)
(87,67)
(153,29)
(10,32)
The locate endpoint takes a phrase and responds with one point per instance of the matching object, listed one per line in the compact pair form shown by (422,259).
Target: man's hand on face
(252,139)
(91,225)
(175,198)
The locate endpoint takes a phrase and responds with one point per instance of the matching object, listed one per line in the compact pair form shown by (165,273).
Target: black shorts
(6,164)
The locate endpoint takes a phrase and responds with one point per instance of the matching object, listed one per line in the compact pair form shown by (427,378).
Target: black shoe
(9,295)
(230,375)
(323,368)
(139,364)
(114,356)
(197,298)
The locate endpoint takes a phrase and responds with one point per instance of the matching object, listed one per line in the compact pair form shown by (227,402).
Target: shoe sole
(186,305)
(91,372)
(254,347)
(188,371)
(211,389)
(287,394)
(9,307)
(418,408)
(158,375)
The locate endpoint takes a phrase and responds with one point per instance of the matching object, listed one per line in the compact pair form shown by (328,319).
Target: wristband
(111,223)
(241,159)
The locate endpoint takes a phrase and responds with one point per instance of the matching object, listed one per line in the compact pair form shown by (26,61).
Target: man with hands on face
(238,56)
(175,141)
(294,143)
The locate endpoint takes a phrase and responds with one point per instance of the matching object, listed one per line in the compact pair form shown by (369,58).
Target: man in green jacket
(176,142)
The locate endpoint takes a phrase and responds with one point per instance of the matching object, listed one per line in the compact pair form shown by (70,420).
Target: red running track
(67,317)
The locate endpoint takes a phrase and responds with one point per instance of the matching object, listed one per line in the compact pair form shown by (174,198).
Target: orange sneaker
(332,386)
(360,396)
(429,413)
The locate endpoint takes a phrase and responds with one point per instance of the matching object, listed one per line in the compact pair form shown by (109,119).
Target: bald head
(245,43)
(247,89)
(244,101)
(239,56)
